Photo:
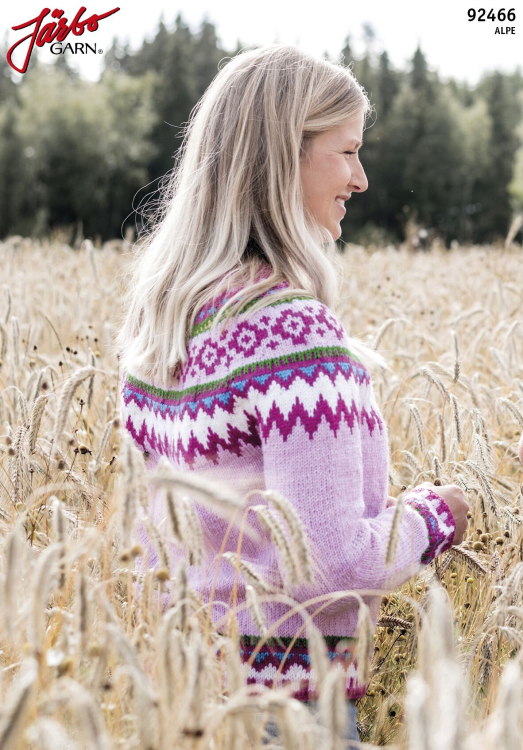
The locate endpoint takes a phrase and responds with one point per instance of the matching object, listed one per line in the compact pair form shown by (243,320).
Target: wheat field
(86,658)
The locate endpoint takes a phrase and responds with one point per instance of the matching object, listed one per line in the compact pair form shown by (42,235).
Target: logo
(55,32)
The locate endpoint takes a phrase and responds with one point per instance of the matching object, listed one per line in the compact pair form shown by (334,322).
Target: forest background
(89,157)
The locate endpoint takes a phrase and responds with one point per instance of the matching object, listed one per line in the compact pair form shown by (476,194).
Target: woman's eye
(349,152)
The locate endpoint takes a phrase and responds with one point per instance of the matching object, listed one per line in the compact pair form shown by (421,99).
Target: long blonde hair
(234,199)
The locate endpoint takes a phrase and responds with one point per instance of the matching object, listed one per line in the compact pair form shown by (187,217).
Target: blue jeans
(352,730)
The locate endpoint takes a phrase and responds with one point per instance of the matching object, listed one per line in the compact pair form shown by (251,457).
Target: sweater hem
(271,665)
(305,693)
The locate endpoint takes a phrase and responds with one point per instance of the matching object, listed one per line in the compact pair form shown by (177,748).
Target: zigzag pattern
(178,452)
(204,411)
(236,438)
(300,415)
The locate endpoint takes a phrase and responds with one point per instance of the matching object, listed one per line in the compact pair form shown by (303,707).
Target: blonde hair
(234,199)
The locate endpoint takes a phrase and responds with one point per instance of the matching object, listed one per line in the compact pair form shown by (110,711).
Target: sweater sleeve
(325,448)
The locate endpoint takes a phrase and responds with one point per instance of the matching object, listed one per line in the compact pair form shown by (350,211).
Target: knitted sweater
(281,403)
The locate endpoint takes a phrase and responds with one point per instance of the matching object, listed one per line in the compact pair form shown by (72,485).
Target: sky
(452,44)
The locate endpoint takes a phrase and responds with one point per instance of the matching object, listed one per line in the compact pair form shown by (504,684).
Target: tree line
(93,155)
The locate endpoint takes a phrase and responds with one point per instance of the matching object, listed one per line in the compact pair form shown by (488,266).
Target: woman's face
(331,170)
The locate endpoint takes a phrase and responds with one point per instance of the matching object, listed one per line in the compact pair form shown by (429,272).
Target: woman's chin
(335,231)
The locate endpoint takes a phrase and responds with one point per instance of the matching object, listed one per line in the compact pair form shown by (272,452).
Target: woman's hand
(458,506)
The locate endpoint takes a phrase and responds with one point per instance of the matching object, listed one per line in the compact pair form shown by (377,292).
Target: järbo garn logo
(55,33)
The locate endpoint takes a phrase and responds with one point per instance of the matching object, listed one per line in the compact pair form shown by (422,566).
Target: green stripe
(206,324)
(318,352)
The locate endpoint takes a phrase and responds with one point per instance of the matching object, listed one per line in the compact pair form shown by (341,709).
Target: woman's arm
(314,404)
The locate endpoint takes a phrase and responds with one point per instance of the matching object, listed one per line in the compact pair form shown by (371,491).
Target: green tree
(151,56)
(11,174)
(419,74)
(421,160)
(346,52)
(388,85)
(207,55)
(84,148)
(516,185)
(175,95)
(62,63)
(492,187)
(7,85)
(116,56)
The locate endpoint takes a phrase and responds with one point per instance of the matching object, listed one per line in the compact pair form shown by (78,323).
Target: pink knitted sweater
(281,403)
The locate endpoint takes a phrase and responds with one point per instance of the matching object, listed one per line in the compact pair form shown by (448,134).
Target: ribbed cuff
(438,518)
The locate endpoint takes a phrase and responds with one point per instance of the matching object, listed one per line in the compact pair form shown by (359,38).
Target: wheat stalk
(419,427)
(413,461)
(15,342)
(66,396)
(513,410)
(175,516)
(7,291)
(103,442)
(193,530)
(14,550)
(364,635)
(296,527)
(394,530)
(290,561)
(43,583)
(90,387)
(469,557)
(390,621)
(255,610)
(515,226)
(457,420)
(131,487)
(249,573)
(12,721)
(59,535)
(211,492)
(36,418)
(333,709)
(432,378)
(487,487)
(317,648)
(194,695)
(456,357)
(69,690)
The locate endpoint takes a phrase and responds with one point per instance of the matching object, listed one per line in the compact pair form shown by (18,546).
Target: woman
(280,398)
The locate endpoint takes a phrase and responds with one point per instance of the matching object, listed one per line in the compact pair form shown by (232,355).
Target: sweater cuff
(438,518)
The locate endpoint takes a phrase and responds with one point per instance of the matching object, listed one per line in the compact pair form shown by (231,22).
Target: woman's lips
(342,208)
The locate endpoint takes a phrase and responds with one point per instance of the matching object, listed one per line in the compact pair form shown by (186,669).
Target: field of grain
(86,663)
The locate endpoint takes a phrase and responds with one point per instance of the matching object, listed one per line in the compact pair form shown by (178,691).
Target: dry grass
(87,660)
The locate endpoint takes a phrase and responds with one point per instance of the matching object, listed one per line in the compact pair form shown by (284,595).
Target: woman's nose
(359,180)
